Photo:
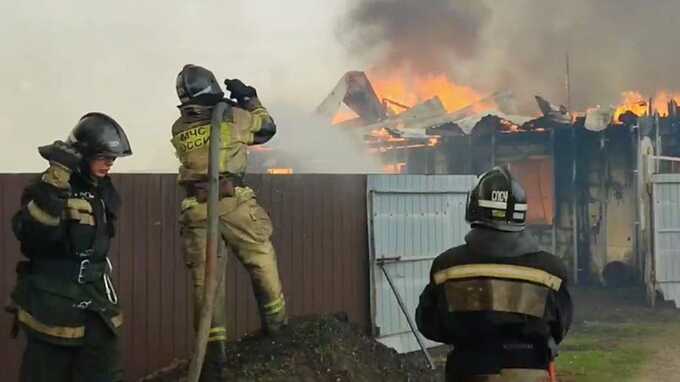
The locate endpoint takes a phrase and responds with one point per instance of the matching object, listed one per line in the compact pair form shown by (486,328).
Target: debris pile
(321,348)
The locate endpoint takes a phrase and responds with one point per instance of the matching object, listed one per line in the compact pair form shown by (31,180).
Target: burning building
(584,174)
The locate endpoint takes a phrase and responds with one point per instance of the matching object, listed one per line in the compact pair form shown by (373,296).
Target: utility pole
(567,83)
(574,218)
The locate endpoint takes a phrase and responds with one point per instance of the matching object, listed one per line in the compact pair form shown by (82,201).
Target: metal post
(493,148)
(568,84)
(211,276)
(469,164)
(574,218)
(554,201)
(381,264)
(657,143)
(638,186)
(666,158)
(605,190)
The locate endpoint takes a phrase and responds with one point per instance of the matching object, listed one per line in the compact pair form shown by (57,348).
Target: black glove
(61,153)
(240,91)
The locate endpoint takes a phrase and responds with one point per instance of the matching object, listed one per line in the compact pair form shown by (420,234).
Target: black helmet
(198,85)
(497,201)
(98,134)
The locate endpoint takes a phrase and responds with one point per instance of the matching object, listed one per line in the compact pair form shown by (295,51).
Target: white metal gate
(666,211)
(412,219)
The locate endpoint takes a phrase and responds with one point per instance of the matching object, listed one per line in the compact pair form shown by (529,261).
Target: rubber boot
(273,322)
(214,366)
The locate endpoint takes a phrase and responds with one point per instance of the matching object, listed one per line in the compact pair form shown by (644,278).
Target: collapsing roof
(354,90)
(429,118)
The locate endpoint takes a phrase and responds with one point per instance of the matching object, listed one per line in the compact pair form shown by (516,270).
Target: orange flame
(661,100)
(280,171)
(384,135)
(631,101)
(407,88)
(394,168)
(636,103)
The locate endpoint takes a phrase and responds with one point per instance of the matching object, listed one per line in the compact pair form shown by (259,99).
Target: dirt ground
(615,337)
(664,365)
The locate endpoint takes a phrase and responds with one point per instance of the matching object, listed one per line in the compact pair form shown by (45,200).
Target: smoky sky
(62,59)
(447,30)
(521,45)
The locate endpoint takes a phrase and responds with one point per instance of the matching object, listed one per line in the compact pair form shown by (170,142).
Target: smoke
(422,35)
(308,144)
(63,59)
(613,45)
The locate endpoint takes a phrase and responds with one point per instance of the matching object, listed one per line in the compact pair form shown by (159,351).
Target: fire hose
(212,278)
(552,372)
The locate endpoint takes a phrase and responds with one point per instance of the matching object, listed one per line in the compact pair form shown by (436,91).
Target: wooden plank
(5,232)
(6,207)
(307,253)
(11,350)
(298,233)
(139,277)
(326,243)
(362,268)
(125,266)
(336,250)
(154,268)
(317,280)
(352,253)
(358,239)
(168,220)
(183,329)
(341,257)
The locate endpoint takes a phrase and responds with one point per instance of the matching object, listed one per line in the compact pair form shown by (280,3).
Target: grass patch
(597,365)
(606,351)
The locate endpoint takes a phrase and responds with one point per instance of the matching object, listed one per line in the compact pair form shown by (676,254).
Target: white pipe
(661,157)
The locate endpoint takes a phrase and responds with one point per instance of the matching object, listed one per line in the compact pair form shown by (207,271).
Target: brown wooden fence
(320,236)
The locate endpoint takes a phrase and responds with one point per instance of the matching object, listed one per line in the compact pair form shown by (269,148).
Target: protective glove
(241,92)
(62,154)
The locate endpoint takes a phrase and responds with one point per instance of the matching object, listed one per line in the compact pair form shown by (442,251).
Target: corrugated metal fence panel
(320,237)
(415,218)
(153,284)
(421,183)
(319,233)
(10,192)
(666,204)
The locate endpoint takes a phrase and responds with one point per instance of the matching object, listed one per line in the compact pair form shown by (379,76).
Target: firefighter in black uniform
(500,301)
(64,299)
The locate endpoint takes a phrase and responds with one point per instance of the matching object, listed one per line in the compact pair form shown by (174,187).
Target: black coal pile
(321,348)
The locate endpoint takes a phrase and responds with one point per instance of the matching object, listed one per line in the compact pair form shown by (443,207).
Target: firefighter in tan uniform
(244,225)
